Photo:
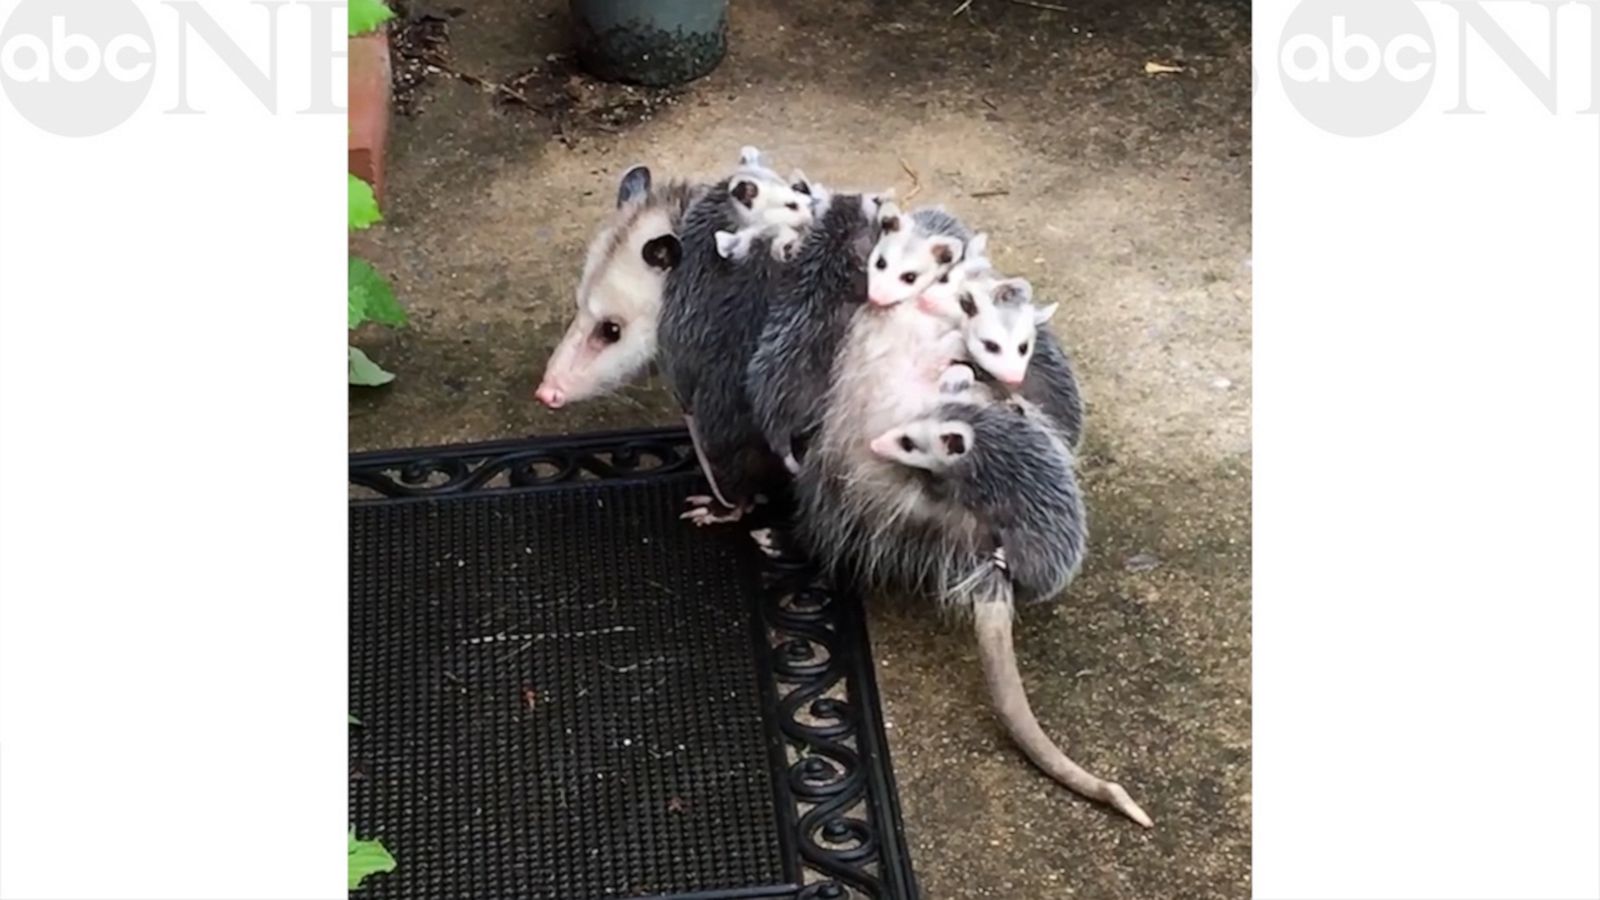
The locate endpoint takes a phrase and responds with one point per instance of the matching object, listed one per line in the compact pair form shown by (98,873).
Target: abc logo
(76,67)
(1356,67)
(64,47)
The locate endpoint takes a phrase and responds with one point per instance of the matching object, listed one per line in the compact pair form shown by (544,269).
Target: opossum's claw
(707,511)
(766,542)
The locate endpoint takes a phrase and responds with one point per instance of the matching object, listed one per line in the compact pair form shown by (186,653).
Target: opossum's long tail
(999,660)
(705,464)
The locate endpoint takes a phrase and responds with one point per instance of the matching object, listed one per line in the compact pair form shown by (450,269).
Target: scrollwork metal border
(444,471)
(809,625)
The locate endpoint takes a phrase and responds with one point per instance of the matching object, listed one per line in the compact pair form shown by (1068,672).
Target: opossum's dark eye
(793,206)
(945,278)
(1022,348)
(881,264)
(991,346)
(907,444)
(967,306)
(908,277)
(610,331)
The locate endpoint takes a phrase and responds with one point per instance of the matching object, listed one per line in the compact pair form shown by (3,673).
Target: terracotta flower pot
(370,90)
(650,42)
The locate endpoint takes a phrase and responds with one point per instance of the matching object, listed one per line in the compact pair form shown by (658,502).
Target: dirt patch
(557,90)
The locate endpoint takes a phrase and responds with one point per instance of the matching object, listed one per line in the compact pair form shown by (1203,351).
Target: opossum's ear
(969,307)
(955,438)
(889,216)
(635,184)
(799,182)
(945,249)
(1042,314)
(977,247)
(744,190)
(1013,291)
(663,252)
(749,156)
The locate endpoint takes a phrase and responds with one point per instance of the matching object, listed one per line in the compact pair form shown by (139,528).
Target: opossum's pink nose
(1011,379)
(551,396)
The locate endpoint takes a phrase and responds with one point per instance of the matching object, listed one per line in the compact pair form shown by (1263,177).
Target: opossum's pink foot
(766,542)
(707,511)
(956,380)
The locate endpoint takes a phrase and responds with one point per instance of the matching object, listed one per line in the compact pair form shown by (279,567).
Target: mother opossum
(654,282)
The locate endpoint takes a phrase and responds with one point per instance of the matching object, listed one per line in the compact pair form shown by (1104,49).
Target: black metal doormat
(567,693)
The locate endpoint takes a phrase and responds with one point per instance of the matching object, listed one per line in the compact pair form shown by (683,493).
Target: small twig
(478,80)
(982,194)
(1037,5)
(916,183)
(989,103)
(961,9)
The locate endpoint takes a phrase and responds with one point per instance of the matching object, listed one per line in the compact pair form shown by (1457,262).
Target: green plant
(371,297)
(365,15)
(367,858)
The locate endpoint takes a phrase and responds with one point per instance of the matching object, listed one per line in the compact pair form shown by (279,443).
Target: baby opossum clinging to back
(789,372)
(1007,336)
(768,208)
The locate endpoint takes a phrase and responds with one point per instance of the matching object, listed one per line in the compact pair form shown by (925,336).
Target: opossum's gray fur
(711,314)
(792,365)
(1018,478)
(935,220)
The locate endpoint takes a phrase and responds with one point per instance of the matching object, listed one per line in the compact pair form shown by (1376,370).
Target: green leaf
(365,15)
(367,858)
(354,720)
(363,205)
(371,297)
(365,372)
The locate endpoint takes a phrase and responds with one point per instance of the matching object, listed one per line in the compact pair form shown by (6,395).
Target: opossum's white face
(1000,326)
(904,263)
(764,201)
(942,297)
(612,338)
(927,444)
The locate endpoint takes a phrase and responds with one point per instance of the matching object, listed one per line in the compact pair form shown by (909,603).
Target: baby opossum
(888,525)
(711,314)
(613,335)
(1008,337)
(1015,475)
(790,370)
(914,250)
(770,210)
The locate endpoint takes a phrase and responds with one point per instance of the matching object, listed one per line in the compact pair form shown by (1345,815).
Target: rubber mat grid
(567,693)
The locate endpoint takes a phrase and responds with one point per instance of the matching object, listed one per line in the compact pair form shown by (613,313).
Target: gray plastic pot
(652,42)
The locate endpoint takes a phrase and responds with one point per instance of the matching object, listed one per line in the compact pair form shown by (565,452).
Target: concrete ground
(1122,194)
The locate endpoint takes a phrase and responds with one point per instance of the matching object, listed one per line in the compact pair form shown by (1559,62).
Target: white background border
(1427,380)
